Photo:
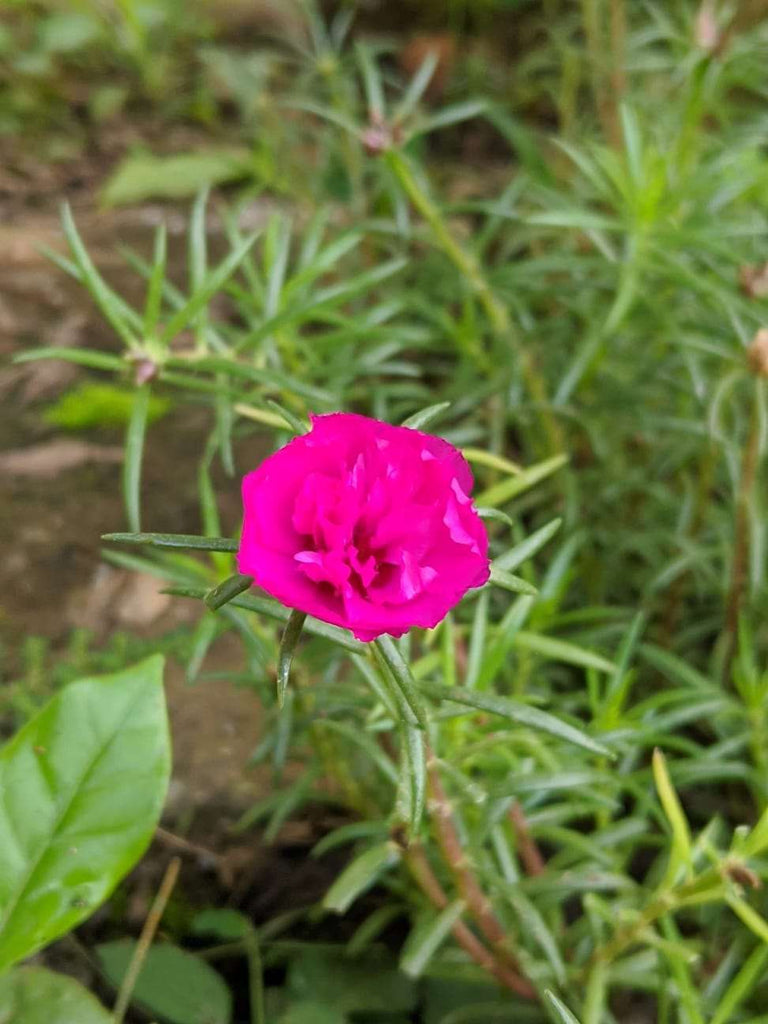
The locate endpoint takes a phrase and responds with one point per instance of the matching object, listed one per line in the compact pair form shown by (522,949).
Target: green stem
(468,266)
(739,569)
(707,888)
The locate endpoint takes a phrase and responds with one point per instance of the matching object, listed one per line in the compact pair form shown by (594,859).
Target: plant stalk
(478,904)
(741,538)
(496,311)
(416,861)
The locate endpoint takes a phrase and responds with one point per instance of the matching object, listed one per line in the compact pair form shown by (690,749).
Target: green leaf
(427,937)
(415,775)
(225,923)
(748,915)
(68,31)
(32,995)
(561,650)
(560,1012)
(680,855)
(274,610)
(508,489)
(453,114)
(497,514)
(515,584)
(207,288)
(189,541)
(174,985)
(416,87)
(310,1012)
(228,589)
(91,405)
(290,639)
(401,675)
(102,294)
(79,356)
(515,711)
(527,548)
(424,417)
(294,423)
(134,456)
(365,985)
(156,282)
(742,985)
(361,874)
(83,785)
(143,176)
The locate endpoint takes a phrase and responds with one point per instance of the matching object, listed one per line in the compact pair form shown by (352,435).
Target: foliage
(83,785)
(87,406)
(562,788)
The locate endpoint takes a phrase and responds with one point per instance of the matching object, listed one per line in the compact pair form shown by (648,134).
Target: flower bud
(753,280)
(706,31)
(757,353)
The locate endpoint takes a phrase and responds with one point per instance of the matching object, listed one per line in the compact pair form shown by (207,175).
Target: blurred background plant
(546,225)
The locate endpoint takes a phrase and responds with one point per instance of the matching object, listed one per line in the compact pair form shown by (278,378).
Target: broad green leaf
(360,875)
(90,405)
(225,923)
(177,986)
(310,1012)
(515,711)
(366,985)
(32,995)
(83,785)
(143,176)
(427,937)
(68,31)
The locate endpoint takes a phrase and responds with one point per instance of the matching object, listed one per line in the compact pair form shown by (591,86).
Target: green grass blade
(401,675)
(174,540)
(228,589)
(291,636)
(516,711)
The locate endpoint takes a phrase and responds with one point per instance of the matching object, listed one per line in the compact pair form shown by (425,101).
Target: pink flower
(364,525)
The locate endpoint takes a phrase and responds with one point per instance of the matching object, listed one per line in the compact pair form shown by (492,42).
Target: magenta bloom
(364,525)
